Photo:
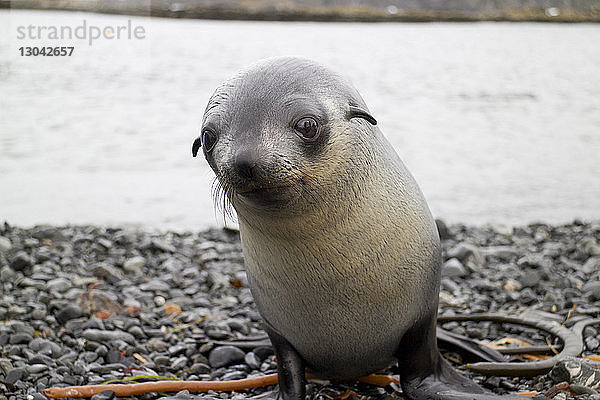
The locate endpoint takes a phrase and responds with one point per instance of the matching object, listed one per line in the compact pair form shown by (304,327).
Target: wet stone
(20,338)
(67,313)
(104,395)
(225,355)
(21,261)
(14,375)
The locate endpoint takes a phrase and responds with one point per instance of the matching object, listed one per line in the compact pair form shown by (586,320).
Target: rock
(453,269)
(225,355)
(535,261)
(577,372)
(502,229)
(466,252)
(107,272)
(15,375)
(5,244)
(67,313)
(530,278)
(592,290)
(155,285)
(178,363)
(134,264)
(591,265)
(59,284)
(20,338)
(511,285)
(37,368)
(106,336)
(21,261)
(104,395)
(252,360)
(163,246)
(590,246)
(156,344)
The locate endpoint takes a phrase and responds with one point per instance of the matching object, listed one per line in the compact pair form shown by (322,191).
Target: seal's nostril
(245,164)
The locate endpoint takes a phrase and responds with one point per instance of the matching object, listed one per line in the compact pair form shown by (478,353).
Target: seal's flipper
(424,374)
(290,367)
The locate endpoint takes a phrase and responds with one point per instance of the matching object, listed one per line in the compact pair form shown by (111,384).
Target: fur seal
(343,257)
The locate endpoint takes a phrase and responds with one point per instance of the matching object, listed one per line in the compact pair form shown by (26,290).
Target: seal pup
(343,257)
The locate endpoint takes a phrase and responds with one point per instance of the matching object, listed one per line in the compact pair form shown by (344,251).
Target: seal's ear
(357,112)
(196,146)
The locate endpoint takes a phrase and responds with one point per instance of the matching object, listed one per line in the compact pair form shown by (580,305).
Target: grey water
(498,122)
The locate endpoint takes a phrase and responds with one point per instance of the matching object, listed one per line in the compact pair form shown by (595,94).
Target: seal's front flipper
(290,367)
(424,374)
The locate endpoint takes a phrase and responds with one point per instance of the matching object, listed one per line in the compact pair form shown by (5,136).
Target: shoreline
(170,9)
(84,305)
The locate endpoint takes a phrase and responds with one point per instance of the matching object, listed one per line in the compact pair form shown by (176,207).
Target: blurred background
(499,121)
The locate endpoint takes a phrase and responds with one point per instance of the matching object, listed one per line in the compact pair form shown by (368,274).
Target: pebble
(21,261)
(104,395)
(134,264)
(20,338)
(453,269)
(14,375)
(122,279)
(67,313)
(5,244)
(225,355)
(105,336)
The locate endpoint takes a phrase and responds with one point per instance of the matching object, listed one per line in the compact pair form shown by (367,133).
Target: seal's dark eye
(209,138)
(307,127)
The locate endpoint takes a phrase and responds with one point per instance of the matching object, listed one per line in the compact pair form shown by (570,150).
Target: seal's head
(277,134)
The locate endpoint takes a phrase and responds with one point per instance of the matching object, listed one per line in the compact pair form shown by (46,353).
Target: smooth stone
(104,395)
(5,244)
(465,251)
(67,313)
(106,336)
(590,246)
(59,284)
(21,261)
(38,314)
(162,360)
(155,285)
(502,229)
(199,368)
(156,344)
(163,246)
(530,278)
(37,368)
(591,265)
(7,274)
(107,272)
(15,375)
(453,269)
(179,363)
(137,332)
(225,355)
(592,289)
(233,376)
(134,264)
(20,338)
(252,360)
(19,326)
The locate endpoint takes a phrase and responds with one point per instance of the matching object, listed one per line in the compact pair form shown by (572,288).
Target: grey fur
(345,259)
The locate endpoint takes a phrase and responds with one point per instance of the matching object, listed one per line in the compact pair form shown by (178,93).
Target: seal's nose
(245,164)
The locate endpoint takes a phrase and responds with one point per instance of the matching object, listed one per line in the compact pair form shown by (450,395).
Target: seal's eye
(307,127)
(209,138)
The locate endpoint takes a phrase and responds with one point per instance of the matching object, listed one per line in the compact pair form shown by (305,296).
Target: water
(498,122)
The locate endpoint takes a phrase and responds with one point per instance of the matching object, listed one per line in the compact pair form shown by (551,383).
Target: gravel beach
(85,304)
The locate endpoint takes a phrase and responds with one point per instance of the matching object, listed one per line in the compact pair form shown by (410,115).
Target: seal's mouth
(263,192)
